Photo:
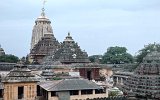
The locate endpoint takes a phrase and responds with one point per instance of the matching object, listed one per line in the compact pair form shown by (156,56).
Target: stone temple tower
(42,26)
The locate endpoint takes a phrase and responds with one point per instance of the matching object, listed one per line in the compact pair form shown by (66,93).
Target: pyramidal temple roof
(150,64)
(69,52)
(145,79)
(47,44)
(20,73)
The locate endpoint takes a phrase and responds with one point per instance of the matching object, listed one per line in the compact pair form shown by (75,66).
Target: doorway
(20,92)
(89,76)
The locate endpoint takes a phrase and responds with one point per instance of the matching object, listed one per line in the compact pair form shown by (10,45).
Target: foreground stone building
(20,84)
(145,81)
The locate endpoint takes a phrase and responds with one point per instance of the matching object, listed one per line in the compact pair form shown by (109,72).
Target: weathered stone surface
(69,52)
(145,80)
(42,26)
(44,47)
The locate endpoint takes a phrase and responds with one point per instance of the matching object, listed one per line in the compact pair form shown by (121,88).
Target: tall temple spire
(42,26)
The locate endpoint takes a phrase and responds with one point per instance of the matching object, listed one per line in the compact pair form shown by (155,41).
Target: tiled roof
(70,84)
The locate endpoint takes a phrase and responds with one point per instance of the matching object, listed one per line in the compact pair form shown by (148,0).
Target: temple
(144,82)
(68,53)
(44,47)
(42,26)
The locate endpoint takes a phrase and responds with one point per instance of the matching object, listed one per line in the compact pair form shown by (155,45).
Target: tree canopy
(117,55)
(9,58)
(147,49)
(95,58)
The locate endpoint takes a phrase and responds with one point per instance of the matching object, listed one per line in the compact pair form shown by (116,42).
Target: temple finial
(68,33)
(44,2)
(43,9)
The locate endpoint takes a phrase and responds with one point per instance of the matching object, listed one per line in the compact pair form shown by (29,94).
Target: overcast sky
(94,24)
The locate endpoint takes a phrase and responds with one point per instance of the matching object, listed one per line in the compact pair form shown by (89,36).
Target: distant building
(70,90)
(20,84)
(145,81)
(1,51)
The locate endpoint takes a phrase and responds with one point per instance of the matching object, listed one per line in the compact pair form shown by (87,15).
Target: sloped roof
(20,74)
(70,84)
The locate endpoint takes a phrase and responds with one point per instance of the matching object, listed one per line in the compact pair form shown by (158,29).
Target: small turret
(1,51)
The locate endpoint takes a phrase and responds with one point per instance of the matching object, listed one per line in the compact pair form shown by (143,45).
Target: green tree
(113,93)
(117,55)
(9,58)
(95,58)
(147,49)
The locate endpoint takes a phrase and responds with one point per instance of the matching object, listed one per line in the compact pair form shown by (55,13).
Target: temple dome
(42,17)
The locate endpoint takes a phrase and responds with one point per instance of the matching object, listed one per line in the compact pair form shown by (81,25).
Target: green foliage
(147,49)
(113,93)
(117,55)
(95,58)
(57,78)
(9,58)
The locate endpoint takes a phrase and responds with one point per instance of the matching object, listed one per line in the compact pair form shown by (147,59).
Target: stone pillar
(117,81)
(93,92)
(25,92)
(121,80)
(49,95)
(79,92)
